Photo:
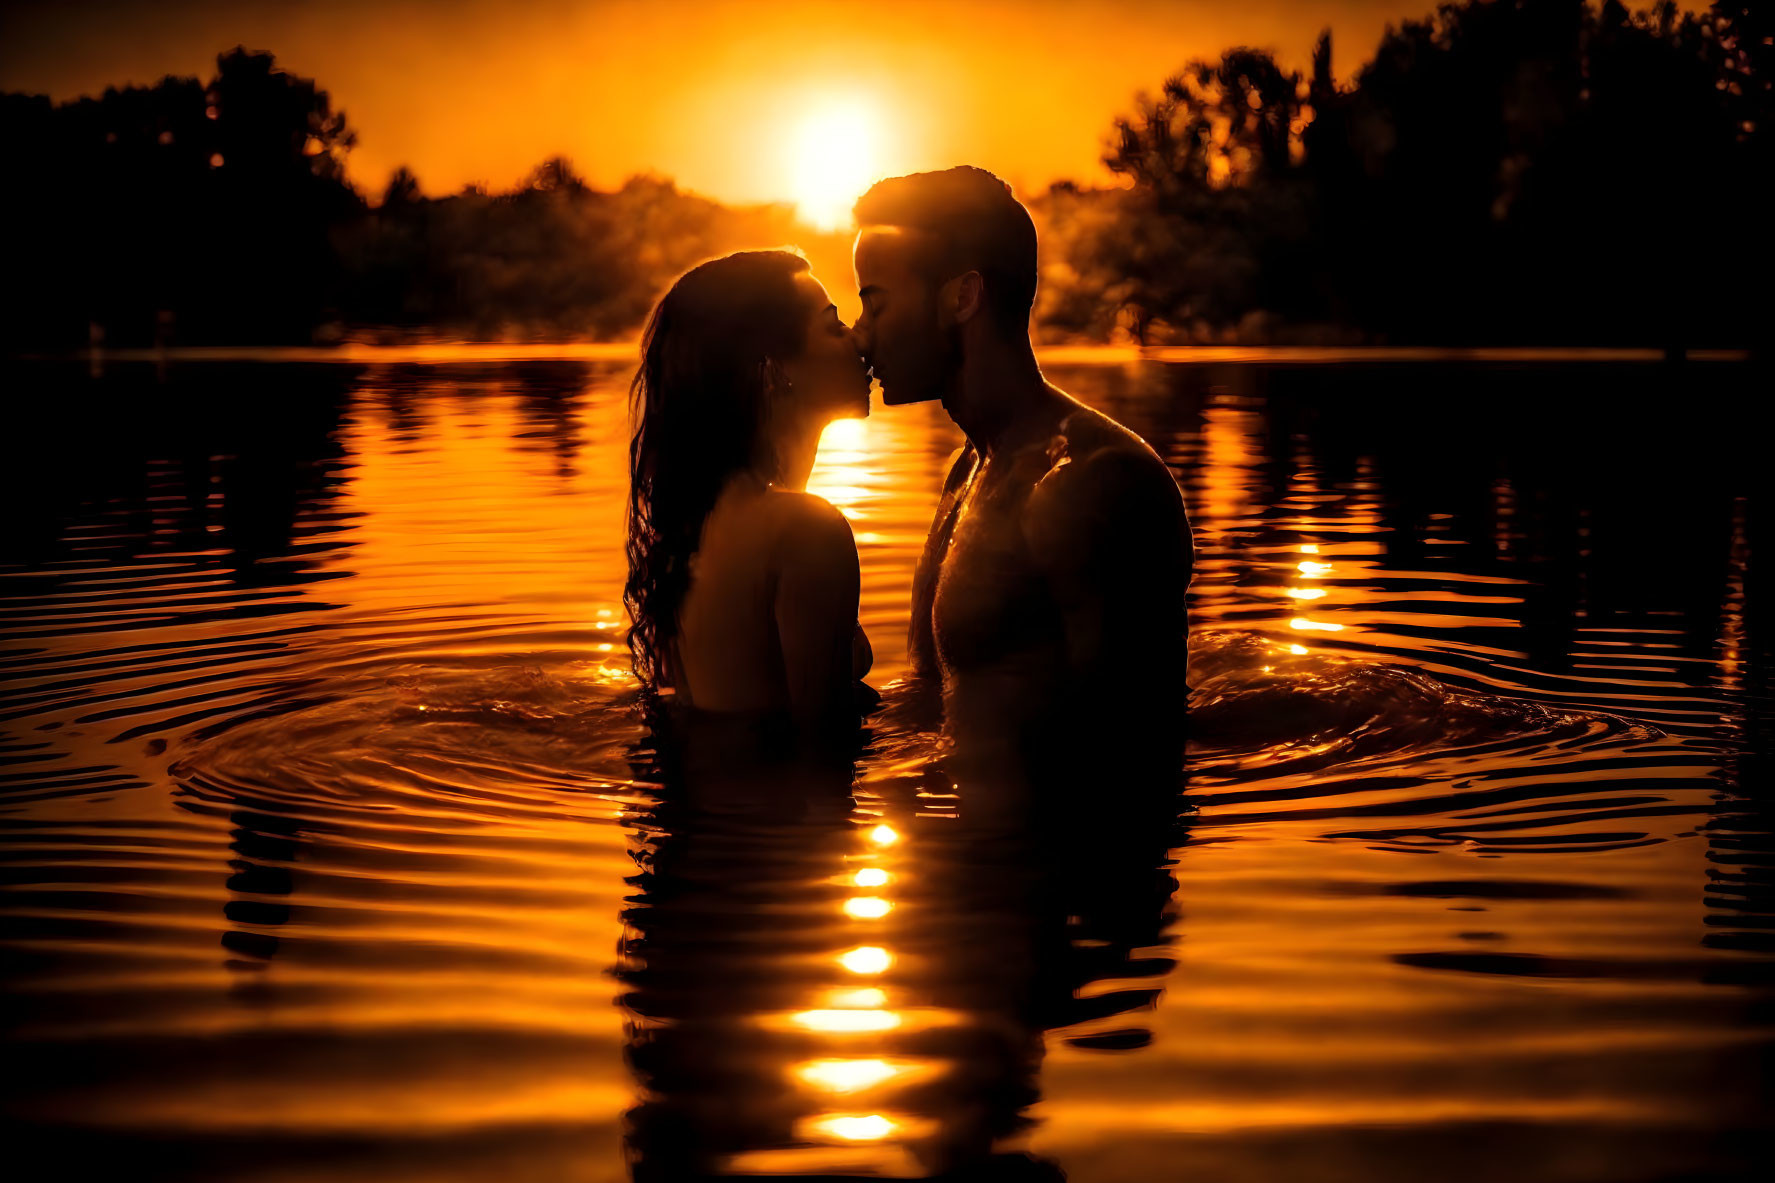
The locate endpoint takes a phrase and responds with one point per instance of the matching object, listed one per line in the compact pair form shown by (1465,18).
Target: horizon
(784,106)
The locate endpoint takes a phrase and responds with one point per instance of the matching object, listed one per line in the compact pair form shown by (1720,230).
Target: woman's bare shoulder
(810,528)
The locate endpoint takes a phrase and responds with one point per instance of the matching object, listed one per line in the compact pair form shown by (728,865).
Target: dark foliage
(1503,171)
(1520,171)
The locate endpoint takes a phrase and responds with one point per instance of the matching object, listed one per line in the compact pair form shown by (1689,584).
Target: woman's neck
(795,448)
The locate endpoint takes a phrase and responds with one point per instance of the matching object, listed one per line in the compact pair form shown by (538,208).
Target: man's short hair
(976,224)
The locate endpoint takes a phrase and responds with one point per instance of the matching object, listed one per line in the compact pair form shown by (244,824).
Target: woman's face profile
(828,378)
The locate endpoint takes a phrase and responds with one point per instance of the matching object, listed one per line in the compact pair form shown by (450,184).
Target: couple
(1048,607)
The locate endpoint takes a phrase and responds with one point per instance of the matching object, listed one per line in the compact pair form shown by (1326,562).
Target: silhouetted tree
(1516,170)
(176,211)
(402,189)
(555,175)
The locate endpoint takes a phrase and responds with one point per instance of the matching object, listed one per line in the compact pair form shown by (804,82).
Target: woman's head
(743,353)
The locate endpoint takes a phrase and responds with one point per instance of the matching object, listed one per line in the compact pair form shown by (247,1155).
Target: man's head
(942,258)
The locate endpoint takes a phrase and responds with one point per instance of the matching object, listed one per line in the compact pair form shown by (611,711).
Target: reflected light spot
(1302,622)
(867,959)
(1306,593)
(868,998)
(867,907)
(870,877)
(1297,650)
(856,1129)
(1309,548)
(847,1020)
(846,1076)
(884,835)
(847,434)
(1309,567)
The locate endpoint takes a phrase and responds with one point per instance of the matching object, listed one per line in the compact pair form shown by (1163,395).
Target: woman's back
(771,605)
(743,589)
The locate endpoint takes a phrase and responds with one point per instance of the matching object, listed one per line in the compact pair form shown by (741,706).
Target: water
(330,849)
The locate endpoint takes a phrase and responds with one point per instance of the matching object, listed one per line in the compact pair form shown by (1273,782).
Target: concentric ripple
(335,846)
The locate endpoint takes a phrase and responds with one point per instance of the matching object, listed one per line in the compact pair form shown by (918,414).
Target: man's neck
(999,398)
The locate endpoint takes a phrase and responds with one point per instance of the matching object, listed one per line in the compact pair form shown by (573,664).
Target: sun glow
(836,153)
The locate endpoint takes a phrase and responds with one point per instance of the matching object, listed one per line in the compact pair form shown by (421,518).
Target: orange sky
(713,94)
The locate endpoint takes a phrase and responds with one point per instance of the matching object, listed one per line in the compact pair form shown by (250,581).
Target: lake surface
(331,851)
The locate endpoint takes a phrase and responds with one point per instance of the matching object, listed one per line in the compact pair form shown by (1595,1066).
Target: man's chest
(988,598)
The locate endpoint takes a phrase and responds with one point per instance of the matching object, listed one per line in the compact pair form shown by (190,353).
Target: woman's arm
(816,614)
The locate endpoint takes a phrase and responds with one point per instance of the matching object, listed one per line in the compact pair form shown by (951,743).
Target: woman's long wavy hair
(701,401)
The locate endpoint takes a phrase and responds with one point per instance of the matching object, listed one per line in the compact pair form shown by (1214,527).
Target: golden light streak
(846,1076)
(852,1128)
(867,998)
(870,877)
(1306,593)
(867,907)
(884,835)
(846,435)
(1302,622)
(1297,650)
(866,959)
(1310,568)
(846,1021)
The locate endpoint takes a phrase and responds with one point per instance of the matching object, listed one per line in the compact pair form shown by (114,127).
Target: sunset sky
(742,101)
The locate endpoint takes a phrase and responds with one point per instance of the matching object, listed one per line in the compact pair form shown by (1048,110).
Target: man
(1049,604)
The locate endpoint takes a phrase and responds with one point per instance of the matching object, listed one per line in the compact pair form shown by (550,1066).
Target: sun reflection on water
(844,471)
(855,1128)
(866,959)
(846,1076)
(840,1022)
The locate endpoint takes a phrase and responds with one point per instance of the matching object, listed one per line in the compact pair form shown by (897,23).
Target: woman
(742,586)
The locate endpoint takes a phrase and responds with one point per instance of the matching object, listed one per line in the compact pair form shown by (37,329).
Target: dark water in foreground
(328,851)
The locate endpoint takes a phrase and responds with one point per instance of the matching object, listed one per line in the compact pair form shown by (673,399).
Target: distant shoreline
(439,353)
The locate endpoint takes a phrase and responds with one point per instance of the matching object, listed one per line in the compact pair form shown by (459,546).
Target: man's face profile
(899,332)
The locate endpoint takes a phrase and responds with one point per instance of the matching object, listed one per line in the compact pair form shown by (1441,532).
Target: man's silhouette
(1049,604)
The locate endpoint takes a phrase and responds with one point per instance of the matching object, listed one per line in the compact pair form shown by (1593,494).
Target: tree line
(1517,171)
(1502,171)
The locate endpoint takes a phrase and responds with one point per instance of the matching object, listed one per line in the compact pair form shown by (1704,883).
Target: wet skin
(769,623)
(1049,602)
(1050,597)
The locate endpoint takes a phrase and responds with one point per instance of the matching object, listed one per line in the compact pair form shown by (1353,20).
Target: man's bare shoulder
(1094,458)
(1104,487)
(1086,431)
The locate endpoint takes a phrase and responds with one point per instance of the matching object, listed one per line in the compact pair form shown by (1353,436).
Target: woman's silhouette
(742,586)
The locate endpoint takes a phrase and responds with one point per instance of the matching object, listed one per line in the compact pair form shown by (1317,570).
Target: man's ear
(964,297)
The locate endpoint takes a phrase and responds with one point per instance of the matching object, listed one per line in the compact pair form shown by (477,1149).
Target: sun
(835,158)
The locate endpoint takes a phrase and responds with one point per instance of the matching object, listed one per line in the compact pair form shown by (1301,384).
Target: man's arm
(1110,534)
